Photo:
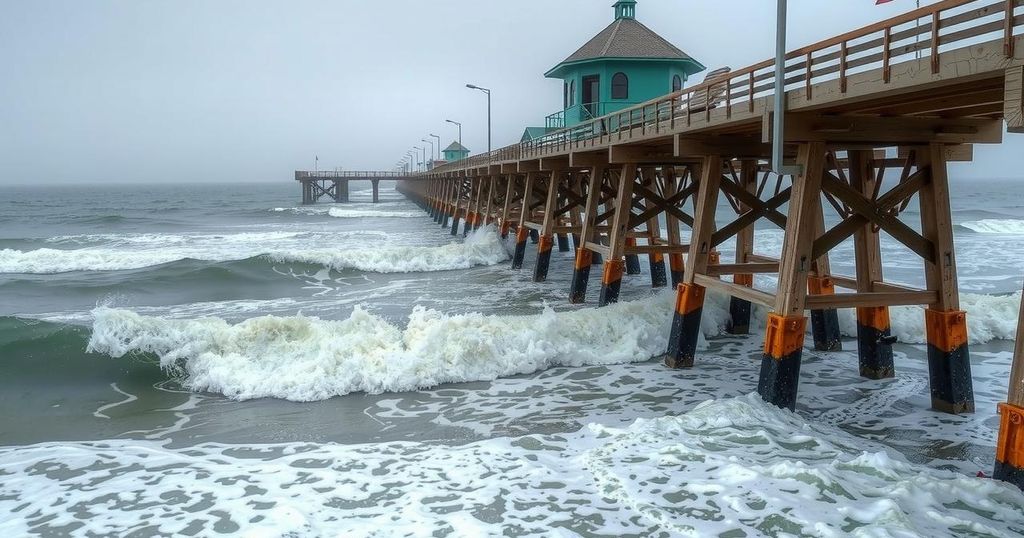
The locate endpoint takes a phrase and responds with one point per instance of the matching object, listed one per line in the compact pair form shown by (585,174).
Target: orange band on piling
(613,270)
(946,330)
(689,297)
(584,258)
(876,317)
(545,243)
(504,228)
(714,258)
(1010,446)
(784,335)
(630,241)
(744,280)
(820,285)
(521,234)
(675,261)
(657,257)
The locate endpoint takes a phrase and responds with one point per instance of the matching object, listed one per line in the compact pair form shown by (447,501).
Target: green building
(455,152)
(626,64)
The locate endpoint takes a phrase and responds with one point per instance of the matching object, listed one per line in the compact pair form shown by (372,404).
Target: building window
(677,83)
(620,86)
(572,93)
(565,96)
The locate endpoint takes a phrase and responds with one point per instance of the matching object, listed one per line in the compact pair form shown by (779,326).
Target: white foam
(306,358)
(345,213)
(482,247)
(989,317)
(735,466)
(302,358)
(116,252)
(996,226)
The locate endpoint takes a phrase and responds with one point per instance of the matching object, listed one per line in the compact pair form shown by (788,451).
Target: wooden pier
(874,116)
(334,185)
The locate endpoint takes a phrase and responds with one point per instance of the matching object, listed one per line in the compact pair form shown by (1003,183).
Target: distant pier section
(334,184)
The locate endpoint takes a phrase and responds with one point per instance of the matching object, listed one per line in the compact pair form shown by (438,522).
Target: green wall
(647,80)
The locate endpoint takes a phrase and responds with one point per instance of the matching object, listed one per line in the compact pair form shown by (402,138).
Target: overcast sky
(250,90)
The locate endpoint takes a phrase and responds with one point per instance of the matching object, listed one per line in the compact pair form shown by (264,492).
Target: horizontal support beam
(806,127)
(736,290)
(863,300)
(742,268)
(662,249)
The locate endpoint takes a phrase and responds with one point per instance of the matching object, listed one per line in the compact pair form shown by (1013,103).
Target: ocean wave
(483,247)
(728,467)
(996,226)
(344,213)
(306,358)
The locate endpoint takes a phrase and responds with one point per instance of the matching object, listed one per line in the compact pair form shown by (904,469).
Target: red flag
(880,2)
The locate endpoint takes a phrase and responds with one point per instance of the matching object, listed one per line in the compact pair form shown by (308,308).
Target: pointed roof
(626,38)
(456,147)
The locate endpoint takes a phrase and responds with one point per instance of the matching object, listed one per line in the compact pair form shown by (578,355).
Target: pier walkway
(334,185)
(873,118)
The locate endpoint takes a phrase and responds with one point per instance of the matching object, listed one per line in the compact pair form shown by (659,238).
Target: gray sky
(233,90)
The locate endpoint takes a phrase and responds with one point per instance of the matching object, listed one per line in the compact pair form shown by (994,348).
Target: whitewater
(184,360)
(304,358)
(116,253)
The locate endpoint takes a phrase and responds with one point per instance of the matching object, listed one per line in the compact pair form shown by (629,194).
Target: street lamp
(424,150)
(459,125)
(488,92)
(438,145)
(431,147)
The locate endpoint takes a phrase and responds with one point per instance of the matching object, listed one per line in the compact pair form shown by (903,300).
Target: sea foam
(996,226)
(303,358)
(732,467)
(345,213)
(306,358)
(482,247)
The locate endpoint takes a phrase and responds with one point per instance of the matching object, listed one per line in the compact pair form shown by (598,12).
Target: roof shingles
(627,38)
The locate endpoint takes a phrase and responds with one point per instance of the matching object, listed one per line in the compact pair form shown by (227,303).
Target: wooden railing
(922,33)
(331,174)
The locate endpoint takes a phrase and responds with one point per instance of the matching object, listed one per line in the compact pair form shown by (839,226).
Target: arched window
(677,83)
(565,96)
(572,92)
(620,86)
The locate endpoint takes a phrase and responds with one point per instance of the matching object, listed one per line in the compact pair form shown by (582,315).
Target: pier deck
(334,185)
(873,118)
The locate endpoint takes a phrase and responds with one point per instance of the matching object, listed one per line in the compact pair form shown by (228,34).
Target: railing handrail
(341,174)
(747,84)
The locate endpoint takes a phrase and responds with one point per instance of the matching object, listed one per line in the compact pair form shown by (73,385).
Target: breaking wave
(996,226)
(306,358)
(483,247)
(343,213)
